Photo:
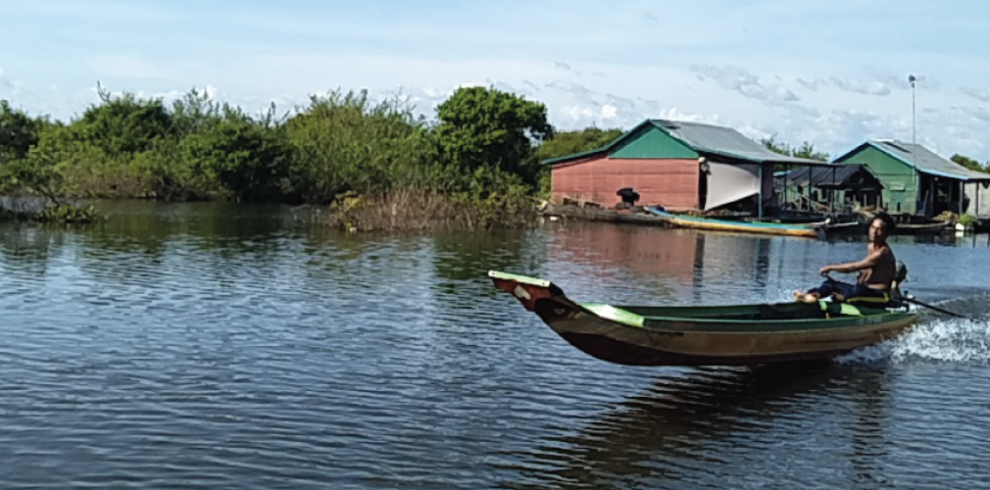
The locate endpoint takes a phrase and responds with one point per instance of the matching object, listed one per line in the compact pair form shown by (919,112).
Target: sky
(833,74)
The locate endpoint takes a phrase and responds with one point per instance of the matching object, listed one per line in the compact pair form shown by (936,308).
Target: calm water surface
(194,346)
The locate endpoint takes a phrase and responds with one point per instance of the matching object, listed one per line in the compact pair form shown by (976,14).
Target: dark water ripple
(190,348)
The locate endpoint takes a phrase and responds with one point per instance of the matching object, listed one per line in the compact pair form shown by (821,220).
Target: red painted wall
(668,182)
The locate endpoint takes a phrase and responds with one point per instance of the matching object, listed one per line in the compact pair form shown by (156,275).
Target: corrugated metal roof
(705,138)
(927,161)
(708,138)
(821,176)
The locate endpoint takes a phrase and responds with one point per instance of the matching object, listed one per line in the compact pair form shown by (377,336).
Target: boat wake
(937,337)
(943,340)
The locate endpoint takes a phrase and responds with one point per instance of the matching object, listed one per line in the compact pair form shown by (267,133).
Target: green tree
(125,125)
(18,132)
(344,142)
(40,170)
(806,150)
(566,143)
(484,133)
(194,113)
(250,161)
(970,163)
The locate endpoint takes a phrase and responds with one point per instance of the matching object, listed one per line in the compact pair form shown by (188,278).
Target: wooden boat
(810,230)
(906,224)
(707,335)
(932,228)
(844,228)
(630,216)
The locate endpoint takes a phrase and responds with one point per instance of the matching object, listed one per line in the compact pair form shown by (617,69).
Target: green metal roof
(720,140)
(705,139)
(922,159)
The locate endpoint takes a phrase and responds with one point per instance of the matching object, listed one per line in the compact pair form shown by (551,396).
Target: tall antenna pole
(911,80)
(914,142)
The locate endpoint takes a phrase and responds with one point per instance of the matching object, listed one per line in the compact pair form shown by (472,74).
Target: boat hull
(621,336)
(682,346)
(757,227)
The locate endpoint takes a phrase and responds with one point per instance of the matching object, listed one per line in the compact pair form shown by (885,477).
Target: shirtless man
(876,270)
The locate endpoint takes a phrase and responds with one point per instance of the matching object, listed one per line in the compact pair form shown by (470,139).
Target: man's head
(881,227)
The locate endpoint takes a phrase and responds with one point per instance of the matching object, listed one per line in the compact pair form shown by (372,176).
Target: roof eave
(915,166)
(772,160)
(964,178)
(850,152)
(575,156)
(606,148)
(804,163)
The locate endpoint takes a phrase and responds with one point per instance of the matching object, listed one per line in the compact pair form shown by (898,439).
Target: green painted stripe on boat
(614,314)
(543,283)
(843,308)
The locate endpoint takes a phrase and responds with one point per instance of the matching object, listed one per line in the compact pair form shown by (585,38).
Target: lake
(236,346)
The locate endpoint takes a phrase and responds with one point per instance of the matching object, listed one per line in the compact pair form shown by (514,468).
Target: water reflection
(30,248)
(640,251)
(696,428)
(736,255)
(266,352)
(653,265)
(871,412)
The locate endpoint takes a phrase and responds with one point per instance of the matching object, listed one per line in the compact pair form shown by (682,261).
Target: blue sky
(831,73)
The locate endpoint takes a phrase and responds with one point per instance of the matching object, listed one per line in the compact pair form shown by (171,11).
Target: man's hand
(825,270)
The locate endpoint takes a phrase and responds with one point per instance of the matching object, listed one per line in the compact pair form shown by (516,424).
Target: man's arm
(868,262)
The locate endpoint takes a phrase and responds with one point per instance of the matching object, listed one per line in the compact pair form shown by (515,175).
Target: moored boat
(810,230)
(906,224)
(932,228)
(708,335)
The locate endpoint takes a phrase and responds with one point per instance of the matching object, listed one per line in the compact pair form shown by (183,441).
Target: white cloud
(878,87)
(623,104)
(856,86)
(522,90)
(981,94)
(745,82)
(592,116)
(5,82)
(676,114)
(812,84)
(609,112)
(531,85)
(581,92)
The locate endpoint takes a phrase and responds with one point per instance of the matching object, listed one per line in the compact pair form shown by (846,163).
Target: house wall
(984,200)
(899,180)
(789,194)
(671,182)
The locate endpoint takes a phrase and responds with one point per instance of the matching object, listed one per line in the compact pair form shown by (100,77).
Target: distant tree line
(805,150)
(479,154)
(478,161)
(971,163)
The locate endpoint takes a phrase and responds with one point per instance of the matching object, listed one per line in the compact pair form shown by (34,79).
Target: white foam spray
(942,340)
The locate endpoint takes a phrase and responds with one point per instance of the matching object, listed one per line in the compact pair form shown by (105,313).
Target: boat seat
(893,299)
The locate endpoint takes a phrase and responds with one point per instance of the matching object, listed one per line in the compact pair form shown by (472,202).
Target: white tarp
(730,183)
